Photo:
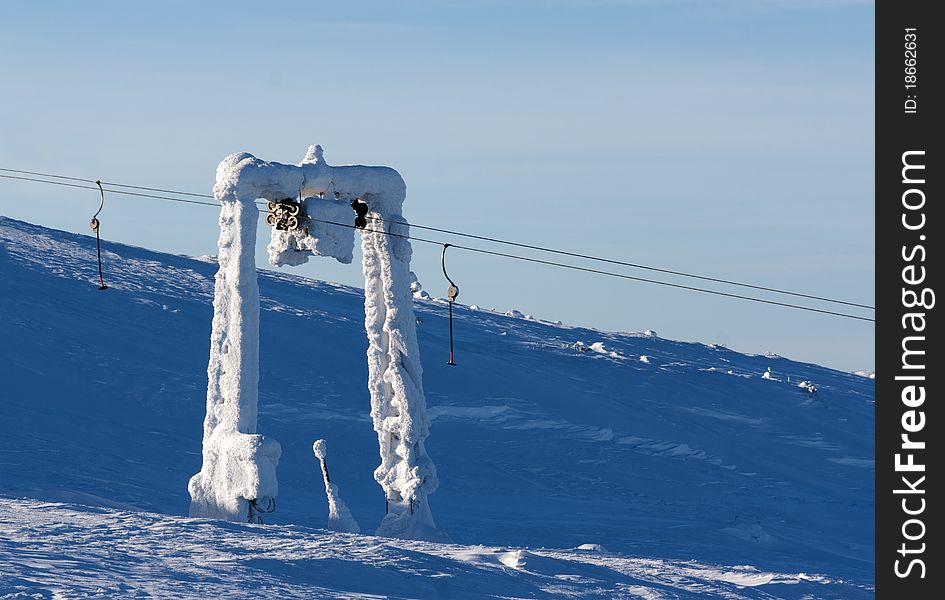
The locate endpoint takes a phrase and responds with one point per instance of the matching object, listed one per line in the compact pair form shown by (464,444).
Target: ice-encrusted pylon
(395,383)
(395,380)
(239,466)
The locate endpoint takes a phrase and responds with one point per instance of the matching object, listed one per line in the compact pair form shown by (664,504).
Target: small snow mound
(529,318)
(599,348)
(591,548)
(473,307)
(650,333)
(513,560)
(319,448)
(644,359)
(809,386)
(514,313)
(416,289)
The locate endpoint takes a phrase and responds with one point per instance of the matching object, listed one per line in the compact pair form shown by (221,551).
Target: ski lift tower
(314,209)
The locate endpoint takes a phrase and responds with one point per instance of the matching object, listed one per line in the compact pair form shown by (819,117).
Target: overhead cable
(486,251)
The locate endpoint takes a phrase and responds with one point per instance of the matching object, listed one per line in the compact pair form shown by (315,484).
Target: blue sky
(730,138)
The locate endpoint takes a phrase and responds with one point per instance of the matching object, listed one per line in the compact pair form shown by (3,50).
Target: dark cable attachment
(95,224)
(452,292)
(361,211)
(285,214)
(255,511)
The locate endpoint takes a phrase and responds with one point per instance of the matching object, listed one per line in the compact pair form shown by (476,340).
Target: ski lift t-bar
(451,293)
(95,224)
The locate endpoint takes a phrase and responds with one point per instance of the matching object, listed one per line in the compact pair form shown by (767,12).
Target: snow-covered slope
(689,455)
(82,551)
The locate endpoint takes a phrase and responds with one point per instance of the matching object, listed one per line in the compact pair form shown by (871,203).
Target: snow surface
(76,551)
(698,476)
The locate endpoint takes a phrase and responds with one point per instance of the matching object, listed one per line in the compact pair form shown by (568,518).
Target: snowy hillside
(692,468)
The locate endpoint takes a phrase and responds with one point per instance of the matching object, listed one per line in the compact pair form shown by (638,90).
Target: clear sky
(732,138)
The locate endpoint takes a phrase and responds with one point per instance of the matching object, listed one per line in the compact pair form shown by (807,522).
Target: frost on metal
(339,517)
(238,464)
(233,470)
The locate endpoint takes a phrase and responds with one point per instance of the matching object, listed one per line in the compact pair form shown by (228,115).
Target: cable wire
(639,266)
(518,245)
(112,183)
(601,272)
(485,251)
(113,191)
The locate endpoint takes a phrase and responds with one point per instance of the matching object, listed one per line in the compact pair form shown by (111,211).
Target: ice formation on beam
(398,407)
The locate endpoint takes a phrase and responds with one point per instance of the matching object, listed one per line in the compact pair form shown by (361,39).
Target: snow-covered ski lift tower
(238,464)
